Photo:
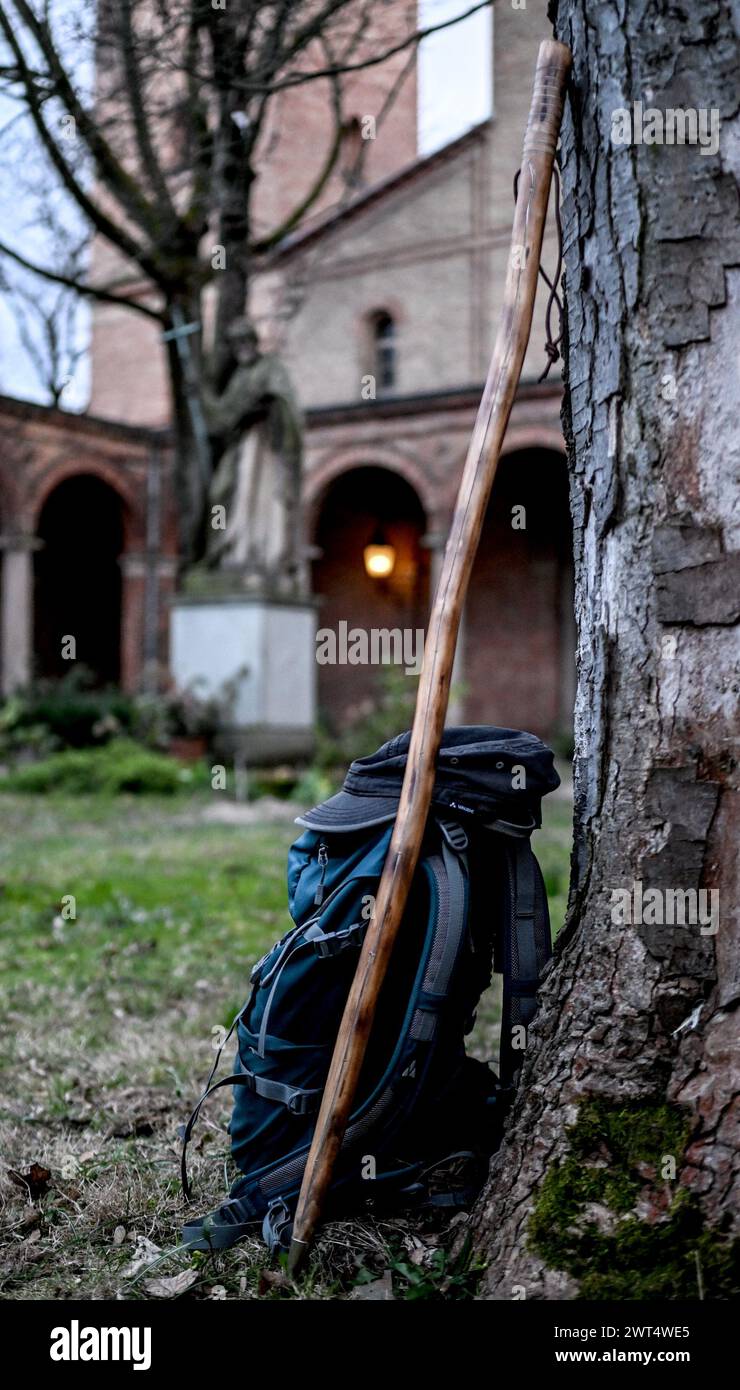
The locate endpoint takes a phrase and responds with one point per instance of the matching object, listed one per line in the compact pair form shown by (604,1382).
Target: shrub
(313,787)
(66,713)
(388,712)
(71,713)
(119,766)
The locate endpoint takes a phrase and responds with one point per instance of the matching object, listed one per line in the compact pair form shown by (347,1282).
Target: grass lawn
(106,1035)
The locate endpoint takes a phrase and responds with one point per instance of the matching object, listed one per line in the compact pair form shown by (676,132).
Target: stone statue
(253,525)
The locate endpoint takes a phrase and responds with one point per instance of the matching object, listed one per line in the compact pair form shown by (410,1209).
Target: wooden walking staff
(434,686)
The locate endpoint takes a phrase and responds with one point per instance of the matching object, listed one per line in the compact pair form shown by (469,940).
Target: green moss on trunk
(586,1222)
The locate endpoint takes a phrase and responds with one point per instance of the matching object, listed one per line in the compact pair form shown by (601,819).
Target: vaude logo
(375,646)
(674,126)
(75,1343)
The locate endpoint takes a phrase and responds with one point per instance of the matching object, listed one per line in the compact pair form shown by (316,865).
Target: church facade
(383,306)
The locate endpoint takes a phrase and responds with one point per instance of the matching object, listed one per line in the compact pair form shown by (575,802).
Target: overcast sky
(455,71)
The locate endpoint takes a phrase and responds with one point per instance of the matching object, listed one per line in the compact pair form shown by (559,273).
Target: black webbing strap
(221,1228)
(296,1099)
(236,1080)
(186,1131)
(526,948)
(524,982)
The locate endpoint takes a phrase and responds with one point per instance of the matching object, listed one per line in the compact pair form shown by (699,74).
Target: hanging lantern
(379,556)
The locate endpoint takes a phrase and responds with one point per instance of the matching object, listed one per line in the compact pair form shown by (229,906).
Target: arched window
(384,351)
(351,151)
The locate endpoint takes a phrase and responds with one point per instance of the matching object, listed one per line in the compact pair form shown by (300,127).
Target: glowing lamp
(379,557)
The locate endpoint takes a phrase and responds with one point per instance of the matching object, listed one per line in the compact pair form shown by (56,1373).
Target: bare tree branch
(316,74)
(80,286)
(340,128)
(56,358)
(110,168)
(99,219)
(136,99)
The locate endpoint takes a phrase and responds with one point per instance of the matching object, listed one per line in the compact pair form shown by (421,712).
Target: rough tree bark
(629,1070)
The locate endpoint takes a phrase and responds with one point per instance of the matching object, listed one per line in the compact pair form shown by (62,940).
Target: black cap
(492,774)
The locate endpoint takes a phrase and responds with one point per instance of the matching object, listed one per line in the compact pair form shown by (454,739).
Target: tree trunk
(620,1172)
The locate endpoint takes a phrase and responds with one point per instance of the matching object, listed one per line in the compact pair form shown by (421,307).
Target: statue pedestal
(263,650)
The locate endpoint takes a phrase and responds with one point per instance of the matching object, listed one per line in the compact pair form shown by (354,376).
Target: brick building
(384,304)
(88,534)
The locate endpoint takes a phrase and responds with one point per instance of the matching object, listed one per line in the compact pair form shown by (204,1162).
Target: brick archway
(324,475)
(46,447)
(519,630)
(78,586)
(348,511)
(134,523)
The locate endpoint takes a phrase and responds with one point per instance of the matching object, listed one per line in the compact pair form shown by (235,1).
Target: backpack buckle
(454,835)
(337,941)
(277,1226)
(255,971)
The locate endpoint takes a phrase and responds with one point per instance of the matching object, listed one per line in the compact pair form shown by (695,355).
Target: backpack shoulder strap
(526,950)
(448,871)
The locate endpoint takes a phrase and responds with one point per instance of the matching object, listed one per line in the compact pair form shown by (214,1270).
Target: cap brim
(347,812)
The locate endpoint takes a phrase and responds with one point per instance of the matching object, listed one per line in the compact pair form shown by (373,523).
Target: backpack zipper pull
(318,896)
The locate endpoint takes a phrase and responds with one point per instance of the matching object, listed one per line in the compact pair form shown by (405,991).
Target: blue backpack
(426,1116)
